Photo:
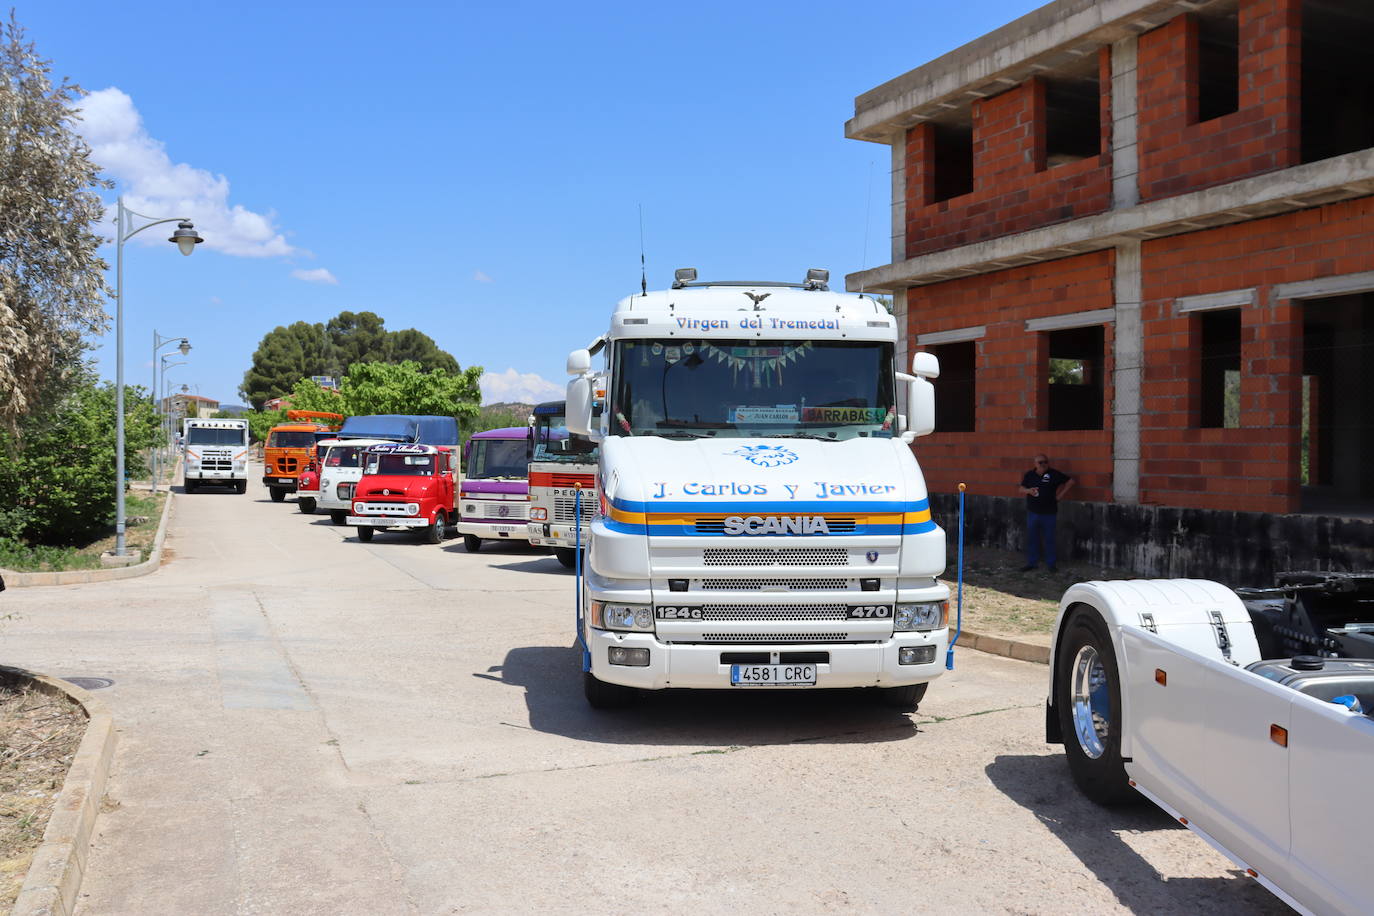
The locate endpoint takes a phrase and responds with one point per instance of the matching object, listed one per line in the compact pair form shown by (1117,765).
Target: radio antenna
(868,219)
(643,277)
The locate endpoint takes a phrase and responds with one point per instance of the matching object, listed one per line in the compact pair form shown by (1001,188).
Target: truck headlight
(268,469)
(412,508)
(927,616)
(357,508)
(539,515)
(621,616)
(341,492)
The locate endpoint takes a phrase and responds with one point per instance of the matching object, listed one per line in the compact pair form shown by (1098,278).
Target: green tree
(285,356)
(417,347)
(51,279)
(405,388)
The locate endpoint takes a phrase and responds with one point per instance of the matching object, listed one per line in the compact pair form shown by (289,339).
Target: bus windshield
(553,442)
(493,458)
(828,389)
(208,435)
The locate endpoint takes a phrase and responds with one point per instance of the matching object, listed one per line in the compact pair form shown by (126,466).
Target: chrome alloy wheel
(1091,701)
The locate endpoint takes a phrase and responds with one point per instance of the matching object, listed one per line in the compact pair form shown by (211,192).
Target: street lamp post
(168,417)
(158,343)
(186,239)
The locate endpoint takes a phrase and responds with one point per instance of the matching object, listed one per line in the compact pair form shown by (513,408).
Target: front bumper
(280,483)
(198,474)
(553,535)
(700,666)
(389,521)
(513,530)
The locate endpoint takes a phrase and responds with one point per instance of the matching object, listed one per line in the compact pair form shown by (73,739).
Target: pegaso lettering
(776,524)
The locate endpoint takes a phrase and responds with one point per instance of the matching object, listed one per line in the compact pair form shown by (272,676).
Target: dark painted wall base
(1235,548)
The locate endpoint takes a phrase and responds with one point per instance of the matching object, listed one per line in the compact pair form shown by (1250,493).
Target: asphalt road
(309,724)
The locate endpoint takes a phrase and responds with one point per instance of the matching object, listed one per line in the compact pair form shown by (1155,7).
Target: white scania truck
(216,453)
(762,520)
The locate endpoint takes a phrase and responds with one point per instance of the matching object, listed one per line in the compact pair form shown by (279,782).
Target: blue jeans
(1039,527)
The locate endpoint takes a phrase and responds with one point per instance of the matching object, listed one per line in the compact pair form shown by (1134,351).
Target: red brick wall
(1178,154)
(1255,467)
(1013,191)
(1010,371)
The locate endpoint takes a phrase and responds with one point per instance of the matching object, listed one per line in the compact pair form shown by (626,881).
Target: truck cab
(343,465)
(494,500)
(406,485)
(290,446)
(562,473)
(763,522)
(308,481)
(216,453)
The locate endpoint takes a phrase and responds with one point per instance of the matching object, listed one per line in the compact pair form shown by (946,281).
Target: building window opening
(1219,378)
(1074,378)
(1337,429)
(1073,121)
(1218,66)
(956,392)
(952,161)
(1337,82)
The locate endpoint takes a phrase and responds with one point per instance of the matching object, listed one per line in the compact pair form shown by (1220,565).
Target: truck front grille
(383,509)
(775,556)
(791,639)
(565,507)
(216,464)
(792,585)
(717,525)
(507,511)
(789,612)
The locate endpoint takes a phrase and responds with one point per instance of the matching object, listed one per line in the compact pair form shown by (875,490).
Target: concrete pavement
(309,724)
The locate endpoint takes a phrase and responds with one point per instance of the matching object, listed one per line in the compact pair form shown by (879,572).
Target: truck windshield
(401,465)
(493,458)
(286,438)
(204,435)
(552,442)
(344,456)
(832,389)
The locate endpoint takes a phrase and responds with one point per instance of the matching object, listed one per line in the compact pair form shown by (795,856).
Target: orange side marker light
(1161,677)
(1279,735)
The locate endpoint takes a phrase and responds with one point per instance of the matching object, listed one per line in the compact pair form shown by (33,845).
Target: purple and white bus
(494,499)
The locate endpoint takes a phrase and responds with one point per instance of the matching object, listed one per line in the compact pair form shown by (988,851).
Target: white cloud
(153,184)
(318,275)
(481,277)
(522,387)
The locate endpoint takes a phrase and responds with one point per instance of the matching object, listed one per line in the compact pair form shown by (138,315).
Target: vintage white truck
(763,522)
(1246,715)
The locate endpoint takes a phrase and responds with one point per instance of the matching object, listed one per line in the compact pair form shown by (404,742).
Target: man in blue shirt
(1043,487)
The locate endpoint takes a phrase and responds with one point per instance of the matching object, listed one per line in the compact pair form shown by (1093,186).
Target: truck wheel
(434,534)
(338,517)
(906,698)
(306,505)
(567,556)
(1088,697)
(278,494)
(241,486)
(472,542)
(606,696)
(188,486)
(364,534)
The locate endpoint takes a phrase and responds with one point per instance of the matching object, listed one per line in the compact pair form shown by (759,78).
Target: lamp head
(185,346)
(186,237)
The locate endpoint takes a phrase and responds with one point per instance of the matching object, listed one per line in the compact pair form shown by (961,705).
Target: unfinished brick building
(1139,234)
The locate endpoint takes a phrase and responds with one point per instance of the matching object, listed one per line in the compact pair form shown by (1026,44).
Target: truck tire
(567,556)
(278,494)
(434,534)
(472,542)
(305,504)
(338,516)
(188,486)
(365,533)
(906,698)
(601,695)
(241,486)
(1088,700)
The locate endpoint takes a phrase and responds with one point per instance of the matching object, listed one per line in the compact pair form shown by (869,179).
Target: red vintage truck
(407,486)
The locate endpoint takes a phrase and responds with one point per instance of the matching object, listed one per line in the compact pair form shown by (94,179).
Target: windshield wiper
(805,436)
(679,434)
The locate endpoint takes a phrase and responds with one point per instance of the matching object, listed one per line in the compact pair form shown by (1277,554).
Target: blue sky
(476,170)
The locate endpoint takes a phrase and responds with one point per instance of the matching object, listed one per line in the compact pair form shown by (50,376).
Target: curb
(59,863)
(14,579)
(1005,646)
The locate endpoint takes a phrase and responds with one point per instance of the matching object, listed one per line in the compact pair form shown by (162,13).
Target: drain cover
(90,683)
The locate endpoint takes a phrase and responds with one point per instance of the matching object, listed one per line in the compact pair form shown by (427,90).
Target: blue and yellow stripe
(679,519)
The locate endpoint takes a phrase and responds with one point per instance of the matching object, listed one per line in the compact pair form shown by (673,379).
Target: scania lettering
(761,519)
(562,474)
(215,452)
(495,497)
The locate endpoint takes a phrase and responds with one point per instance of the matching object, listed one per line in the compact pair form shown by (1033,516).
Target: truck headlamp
(927,616)
(539,515)
(621,616)
(268,469)
(412,508)
(357,508)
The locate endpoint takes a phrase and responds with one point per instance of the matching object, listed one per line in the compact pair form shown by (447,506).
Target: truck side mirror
(579,362)
(579,404)
(920,405)
(925,365)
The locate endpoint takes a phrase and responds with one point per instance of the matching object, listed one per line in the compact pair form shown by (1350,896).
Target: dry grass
(1000,600)
(39,734)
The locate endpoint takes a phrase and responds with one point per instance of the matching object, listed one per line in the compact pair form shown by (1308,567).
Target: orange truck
(290,447)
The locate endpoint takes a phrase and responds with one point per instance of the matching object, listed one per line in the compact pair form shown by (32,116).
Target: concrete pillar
(1128,361)
(1125,158)
(899,248)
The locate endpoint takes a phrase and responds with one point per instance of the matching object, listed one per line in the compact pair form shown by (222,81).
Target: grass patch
(39,735)
(142,511)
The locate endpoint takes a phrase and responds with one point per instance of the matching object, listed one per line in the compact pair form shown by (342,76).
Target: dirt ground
(39,735)
(1000,600)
